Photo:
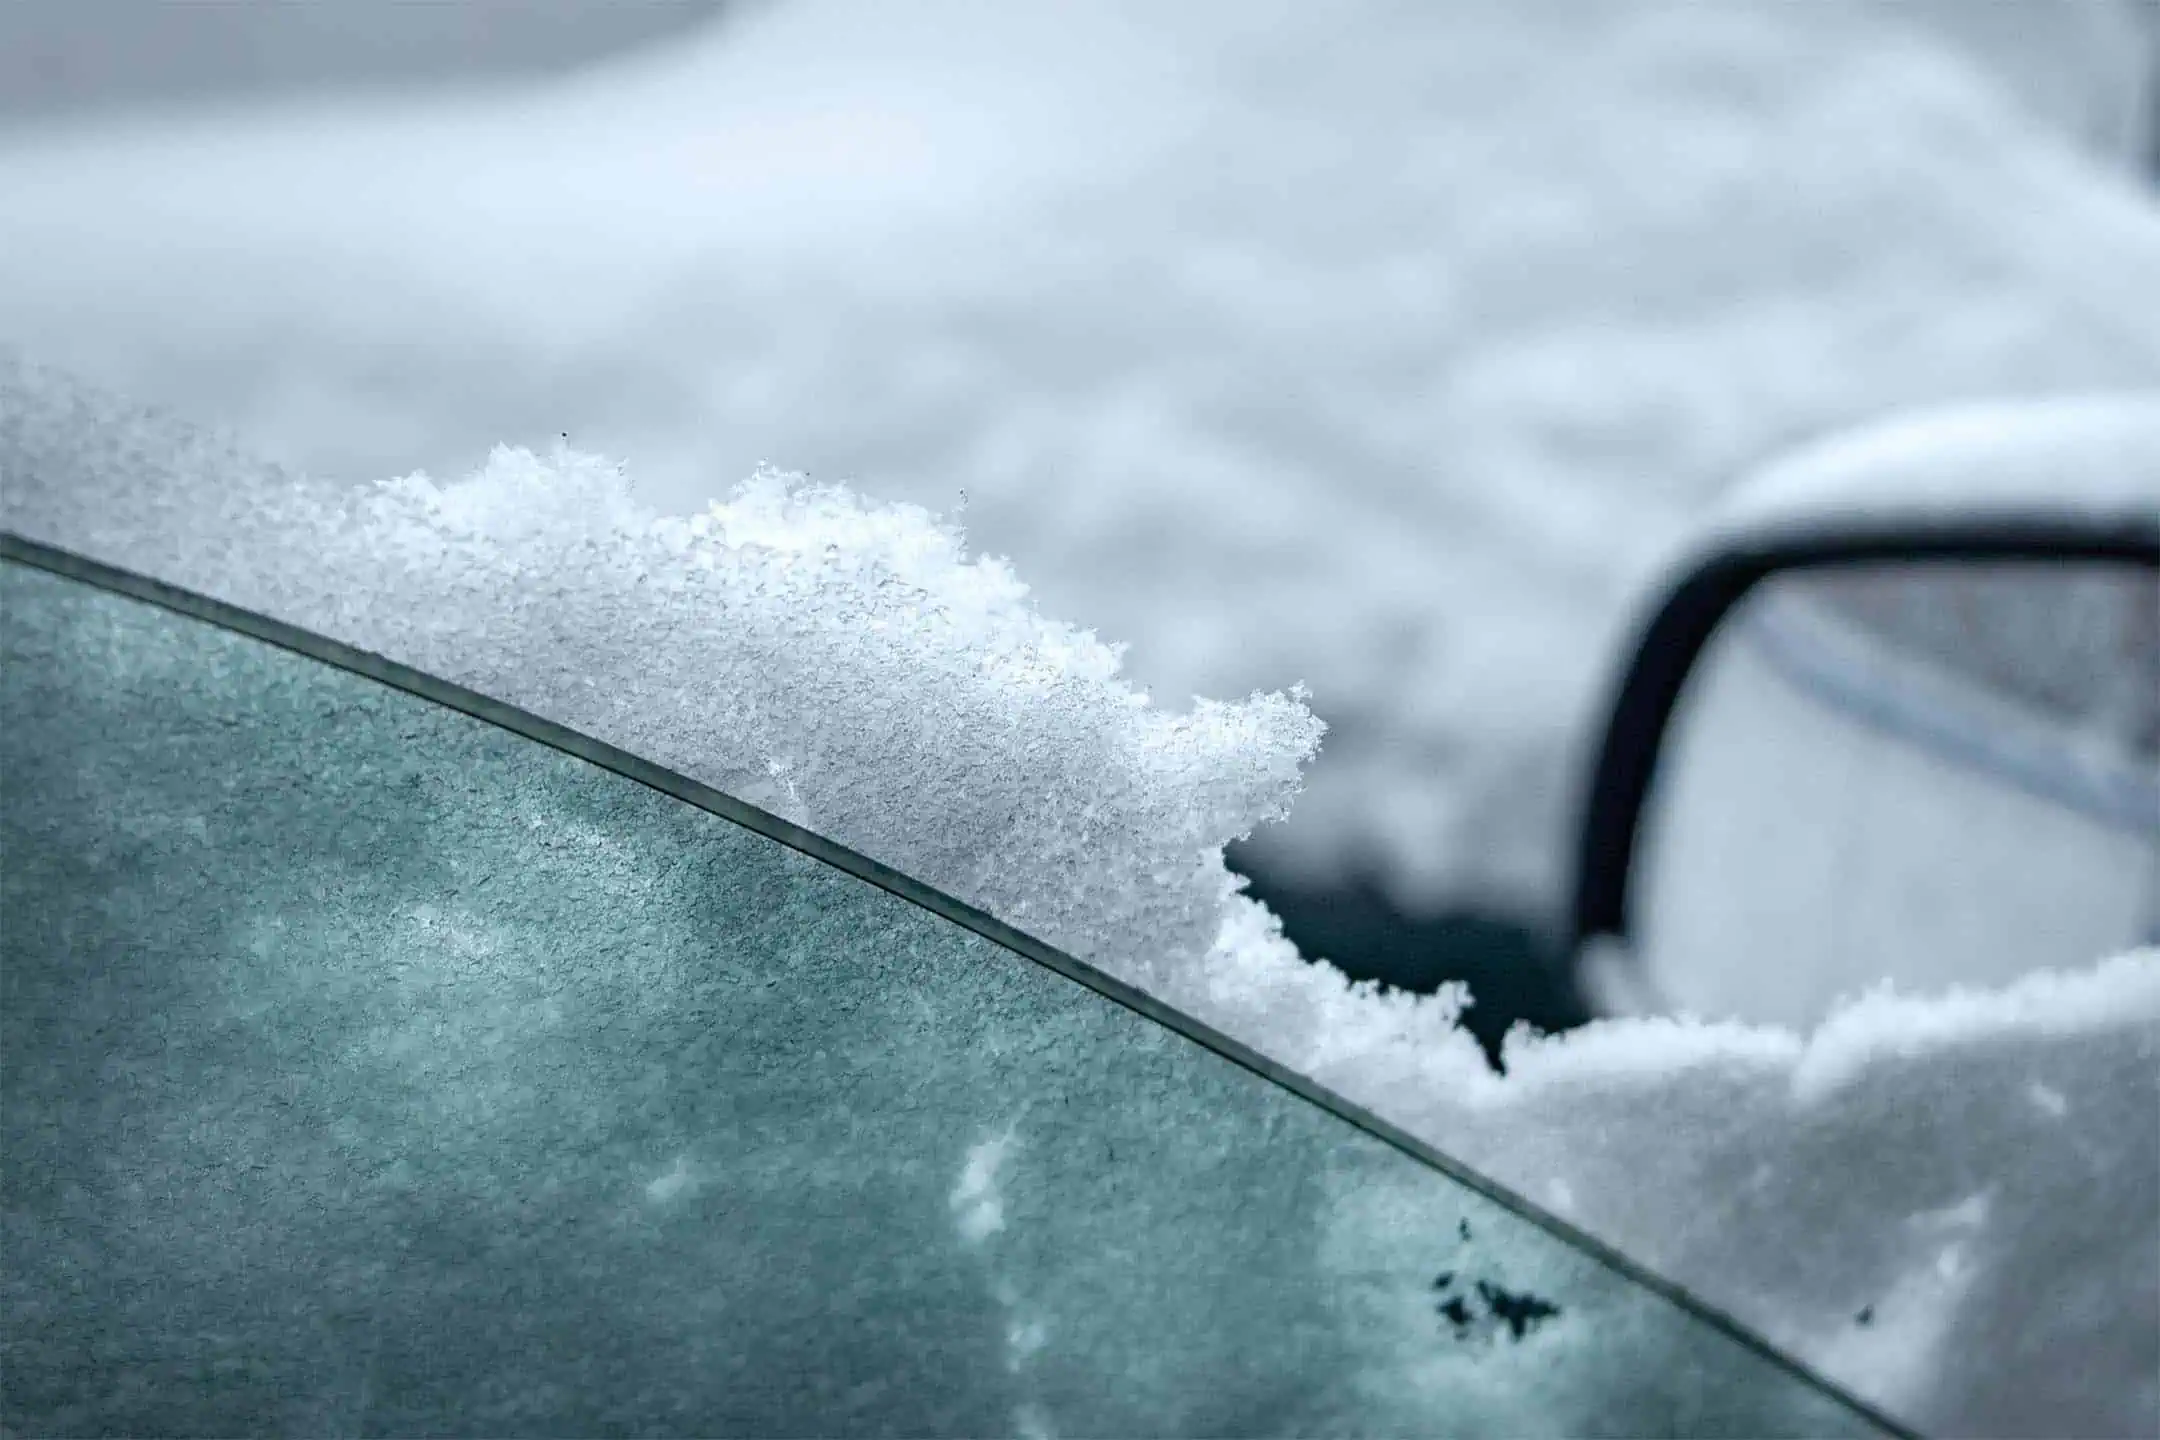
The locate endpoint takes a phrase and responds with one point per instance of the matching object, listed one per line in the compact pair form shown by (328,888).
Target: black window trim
(115,579)
(1670,642)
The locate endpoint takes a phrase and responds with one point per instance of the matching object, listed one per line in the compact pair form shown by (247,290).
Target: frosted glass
(371,1069)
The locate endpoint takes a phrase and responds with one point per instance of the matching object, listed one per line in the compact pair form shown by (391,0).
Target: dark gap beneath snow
(1513,970)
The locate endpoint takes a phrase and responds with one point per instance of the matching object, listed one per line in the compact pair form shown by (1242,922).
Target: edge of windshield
(99,575)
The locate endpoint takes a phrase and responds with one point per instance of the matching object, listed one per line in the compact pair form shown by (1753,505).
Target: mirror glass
(370,1069)
(1933,773)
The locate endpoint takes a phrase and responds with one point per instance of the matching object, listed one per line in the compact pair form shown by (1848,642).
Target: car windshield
(375,1068)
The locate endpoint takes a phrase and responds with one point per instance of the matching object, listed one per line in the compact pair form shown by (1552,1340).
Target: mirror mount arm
(1667,647)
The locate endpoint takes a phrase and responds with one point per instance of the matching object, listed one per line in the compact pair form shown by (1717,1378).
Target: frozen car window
(373,1068)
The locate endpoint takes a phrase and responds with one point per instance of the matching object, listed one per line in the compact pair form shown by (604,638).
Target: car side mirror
(1888,725)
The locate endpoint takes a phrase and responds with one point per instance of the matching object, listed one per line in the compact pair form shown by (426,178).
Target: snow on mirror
(1932,773)
(373,1069)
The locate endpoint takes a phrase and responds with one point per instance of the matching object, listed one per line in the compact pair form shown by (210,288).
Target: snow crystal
(1381,345)
(978,1211)
(1892,1164)
(784,646)
(1883,1025)
(1967,461)
(674,1182)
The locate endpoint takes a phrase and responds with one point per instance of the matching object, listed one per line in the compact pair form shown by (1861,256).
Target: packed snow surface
(1388,345)
(1948,1202)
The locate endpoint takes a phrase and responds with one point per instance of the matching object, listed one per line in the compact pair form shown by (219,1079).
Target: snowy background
(1382,346)
(1386,347)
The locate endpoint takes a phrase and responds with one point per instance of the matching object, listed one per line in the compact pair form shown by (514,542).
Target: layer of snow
(2096,457)
(1385,344)
(1951,1204)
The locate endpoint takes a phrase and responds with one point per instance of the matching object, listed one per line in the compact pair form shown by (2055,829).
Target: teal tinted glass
(373,1069)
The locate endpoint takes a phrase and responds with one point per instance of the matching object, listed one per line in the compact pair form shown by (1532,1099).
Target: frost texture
(839,663)
(1941,1202)
(1386,345)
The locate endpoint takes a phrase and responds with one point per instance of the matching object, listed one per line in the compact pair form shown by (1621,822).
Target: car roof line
(71,565)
